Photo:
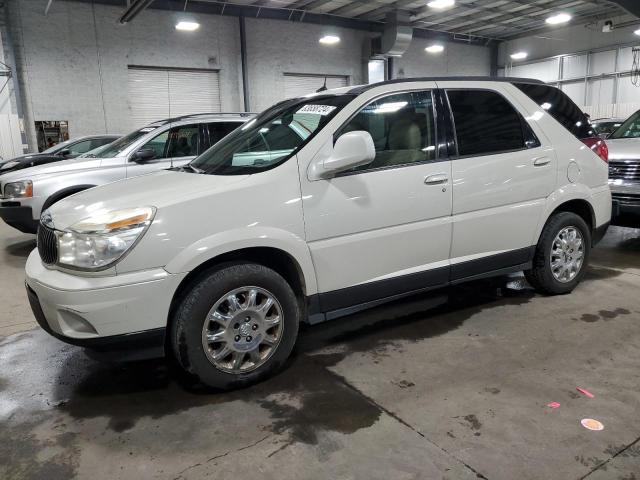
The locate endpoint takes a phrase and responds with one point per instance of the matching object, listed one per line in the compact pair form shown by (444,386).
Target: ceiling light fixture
(519,55)
(440,4)
(637,32)
(329,40)
(559,19)
(435,48)
(187,26)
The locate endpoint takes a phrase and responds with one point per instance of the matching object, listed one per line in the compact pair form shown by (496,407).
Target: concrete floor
(404,391)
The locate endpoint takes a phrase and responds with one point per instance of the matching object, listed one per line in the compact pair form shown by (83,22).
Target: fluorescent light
(519,55)
(390,107)
(439,4)
(637,32)
(329,40)
(187,26)
(558,19)
(435,48)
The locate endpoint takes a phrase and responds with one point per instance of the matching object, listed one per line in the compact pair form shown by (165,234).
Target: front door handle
(438,179)
(541,162)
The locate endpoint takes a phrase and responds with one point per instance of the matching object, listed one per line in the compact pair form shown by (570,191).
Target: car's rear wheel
(562,254)
(236,326)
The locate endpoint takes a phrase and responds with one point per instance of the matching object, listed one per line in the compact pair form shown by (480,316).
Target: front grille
(625,170)
(47,245)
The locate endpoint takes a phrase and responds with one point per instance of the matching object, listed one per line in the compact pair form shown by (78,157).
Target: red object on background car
(599,146)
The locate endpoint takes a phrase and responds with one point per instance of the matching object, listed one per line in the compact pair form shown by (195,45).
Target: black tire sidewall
(554,226)
(193,310)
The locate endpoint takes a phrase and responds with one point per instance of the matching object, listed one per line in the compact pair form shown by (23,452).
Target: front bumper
(116,313)
(18,216)
(626,210)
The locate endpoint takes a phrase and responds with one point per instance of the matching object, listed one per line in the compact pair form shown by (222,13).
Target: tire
(542,276)
(206,322)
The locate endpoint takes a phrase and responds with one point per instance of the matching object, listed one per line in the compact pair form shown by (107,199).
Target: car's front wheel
(236,326)
(562,254)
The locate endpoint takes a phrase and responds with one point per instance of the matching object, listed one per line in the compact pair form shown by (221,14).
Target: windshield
(629,129)
(111,150)
(272,137)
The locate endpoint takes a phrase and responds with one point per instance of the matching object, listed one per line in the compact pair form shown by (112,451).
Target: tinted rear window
(485,123)
(560,107)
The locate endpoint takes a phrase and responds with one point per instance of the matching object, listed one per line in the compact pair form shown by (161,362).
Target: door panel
(382,222)
(498,196)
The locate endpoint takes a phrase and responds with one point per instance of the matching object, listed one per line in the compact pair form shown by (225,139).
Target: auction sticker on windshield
(317,109)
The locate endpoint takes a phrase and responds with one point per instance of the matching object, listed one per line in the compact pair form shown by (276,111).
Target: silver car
(174,142)
(624,172)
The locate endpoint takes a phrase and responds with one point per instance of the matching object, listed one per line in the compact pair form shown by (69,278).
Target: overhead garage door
(156,94)
(298,85)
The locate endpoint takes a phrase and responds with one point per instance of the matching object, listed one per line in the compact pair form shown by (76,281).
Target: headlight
(23,189)
(99,241)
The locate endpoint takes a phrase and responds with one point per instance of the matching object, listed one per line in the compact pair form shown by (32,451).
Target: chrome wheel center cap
(245,329)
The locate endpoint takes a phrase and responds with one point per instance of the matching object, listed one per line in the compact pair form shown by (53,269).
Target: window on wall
(159,93)
(299,85)
(402,127)
(485,123)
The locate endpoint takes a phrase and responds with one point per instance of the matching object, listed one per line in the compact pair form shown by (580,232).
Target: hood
(50,168)
(624,148)
(26,161)
(159,189)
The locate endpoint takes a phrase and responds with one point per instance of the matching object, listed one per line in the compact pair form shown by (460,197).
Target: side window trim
(432,91)
(526,128)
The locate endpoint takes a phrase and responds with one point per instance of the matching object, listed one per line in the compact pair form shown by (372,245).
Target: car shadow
(126,392)
(20,249)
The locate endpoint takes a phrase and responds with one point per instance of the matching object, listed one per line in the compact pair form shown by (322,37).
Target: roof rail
(363,88)
(212,114)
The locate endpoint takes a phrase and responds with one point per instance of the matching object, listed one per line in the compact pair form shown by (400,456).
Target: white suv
(319,207)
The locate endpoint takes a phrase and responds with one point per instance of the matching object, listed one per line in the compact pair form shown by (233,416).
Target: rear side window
(560,107)
(219,130)
(486,123)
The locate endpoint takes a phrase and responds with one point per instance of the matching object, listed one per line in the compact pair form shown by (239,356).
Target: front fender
(229,241)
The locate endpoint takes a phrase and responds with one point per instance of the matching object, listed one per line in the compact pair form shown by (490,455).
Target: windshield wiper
(193,169)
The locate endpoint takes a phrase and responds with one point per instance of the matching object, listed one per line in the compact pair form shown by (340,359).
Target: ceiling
(490,19)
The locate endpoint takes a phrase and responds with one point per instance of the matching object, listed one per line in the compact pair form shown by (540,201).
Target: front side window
(271,138)
(402,127)
(80,147)
(629,129)
(183,141)
(99,142)
(158,144)
(485,123)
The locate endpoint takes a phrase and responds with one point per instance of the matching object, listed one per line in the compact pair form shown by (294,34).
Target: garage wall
(73,63)
(457,59)
(76,59)
(276,47)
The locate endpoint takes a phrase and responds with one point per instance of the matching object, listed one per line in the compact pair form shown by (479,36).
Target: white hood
(160,189)
(64,166)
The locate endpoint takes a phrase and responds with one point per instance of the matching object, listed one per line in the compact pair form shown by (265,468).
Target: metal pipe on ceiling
(134,9)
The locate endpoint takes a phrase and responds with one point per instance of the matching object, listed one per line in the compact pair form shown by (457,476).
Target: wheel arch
(275,258)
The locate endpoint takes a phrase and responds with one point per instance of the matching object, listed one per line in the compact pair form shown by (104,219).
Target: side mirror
(144,155)
(351,150)
(65,152)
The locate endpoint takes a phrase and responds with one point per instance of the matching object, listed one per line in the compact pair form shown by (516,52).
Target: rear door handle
(438,179)
(541,162)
